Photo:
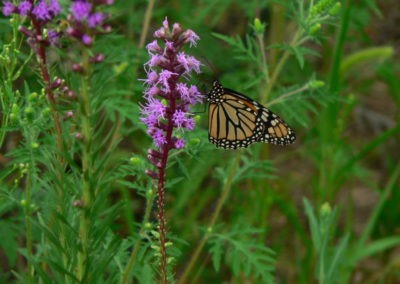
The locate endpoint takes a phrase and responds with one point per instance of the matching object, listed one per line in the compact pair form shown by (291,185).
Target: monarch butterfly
(236,121)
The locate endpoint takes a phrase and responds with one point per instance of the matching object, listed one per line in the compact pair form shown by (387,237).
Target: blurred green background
(346,155)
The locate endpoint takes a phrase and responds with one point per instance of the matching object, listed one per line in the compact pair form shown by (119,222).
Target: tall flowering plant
(167,108)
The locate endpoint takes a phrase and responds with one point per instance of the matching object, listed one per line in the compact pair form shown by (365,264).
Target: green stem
(284,96)
(265,70)
(87,171)
(136,248)
(378,209)
(146,23)
(278,68)
(28,222)
(224,195)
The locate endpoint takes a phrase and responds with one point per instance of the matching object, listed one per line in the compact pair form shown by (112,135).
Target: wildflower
(189,63)
(164,69)
(168,107)
(96,19)
(54,7)
(153,47)
(24,8)
(41,11)
(85,22)
(53,37)
(180,143)
(81,10)
(87,40)
(8,8)
(191,37)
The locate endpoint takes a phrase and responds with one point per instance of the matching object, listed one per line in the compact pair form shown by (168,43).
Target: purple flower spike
(54,7)
(180,143)
(41,11)
(24,8)
(96,20)
(81,10)
(8,8)
(167,109)
(53,37)
(191,37)
(87,40)
(166,67)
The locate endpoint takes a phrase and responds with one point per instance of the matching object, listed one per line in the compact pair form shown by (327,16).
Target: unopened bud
(78,203)
(325,209)
(259,27)
(32,97)
(34,145)
(335,9)
(97,58)
(78,136)
(316,84)
(315,29)
(135,160)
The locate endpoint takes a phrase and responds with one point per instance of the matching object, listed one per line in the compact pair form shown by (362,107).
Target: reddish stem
(46,78)
(161,182)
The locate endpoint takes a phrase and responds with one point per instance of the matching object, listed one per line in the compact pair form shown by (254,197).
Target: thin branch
(146,23)
(283,97)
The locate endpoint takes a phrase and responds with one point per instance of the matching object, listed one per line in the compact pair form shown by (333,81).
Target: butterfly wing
(275,130)
(236,121)
(232,124)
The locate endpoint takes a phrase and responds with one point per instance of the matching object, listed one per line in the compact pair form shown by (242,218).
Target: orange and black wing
(236,121)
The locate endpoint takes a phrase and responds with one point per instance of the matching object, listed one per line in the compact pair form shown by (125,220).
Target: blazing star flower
(96,19)
(166,67)
(24,8)
(167,109)
(180,143)
(8,8)
(54,7)
(85,21)
(81,10)
(87,40)
(189,63)
(53,37)
(191,37)
(41,11)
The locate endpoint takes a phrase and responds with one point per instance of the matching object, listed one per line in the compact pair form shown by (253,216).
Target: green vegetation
(76,205)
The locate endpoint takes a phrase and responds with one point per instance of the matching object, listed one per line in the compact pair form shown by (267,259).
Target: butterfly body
(236,121)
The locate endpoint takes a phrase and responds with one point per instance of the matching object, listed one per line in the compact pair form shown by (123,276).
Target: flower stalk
(167,109)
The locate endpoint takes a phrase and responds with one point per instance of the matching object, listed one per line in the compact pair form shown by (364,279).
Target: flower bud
(150,193)
(315,29)
(25,31)
(29,112)
(78,136)
(71,94)
(78,68)
(335,9)
(259,27)
(135,160)
(316,84)
(46,111)
(32,97)
(151,174)
(35,145)
(78,203)
(97,58)
(325,209)
(56,83)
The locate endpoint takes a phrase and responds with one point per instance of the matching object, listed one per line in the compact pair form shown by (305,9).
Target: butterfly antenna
(210,66)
